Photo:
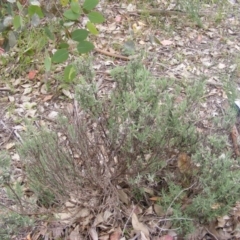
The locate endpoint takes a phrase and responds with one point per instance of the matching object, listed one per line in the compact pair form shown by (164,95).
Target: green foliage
(69,73)
(193,8)
(60,56)
(219,181)
(138,123)
(15,18)
(13,224)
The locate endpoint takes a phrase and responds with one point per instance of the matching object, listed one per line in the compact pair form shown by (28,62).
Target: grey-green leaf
(79,35)
(12,39)
(60,56)
(96,17)
(49,33)
(85,47)
(90,4)
(69,14)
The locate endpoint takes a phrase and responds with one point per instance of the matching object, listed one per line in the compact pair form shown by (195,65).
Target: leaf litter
(188,53)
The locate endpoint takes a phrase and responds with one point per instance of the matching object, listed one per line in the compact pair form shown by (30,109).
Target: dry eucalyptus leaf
(138,226)
(75,234)
(149,211)
(93,233)
(106,215)
(158,210)
(99,219)
(10,145)
(143,237)
(123,196)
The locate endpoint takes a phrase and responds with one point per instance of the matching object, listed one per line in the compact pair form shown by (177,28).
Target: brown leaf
(28,237)
(184,163)
(1,50)
(118,18)
(47,98)
(32,74)
(116,235)
(155,199)
(166,237)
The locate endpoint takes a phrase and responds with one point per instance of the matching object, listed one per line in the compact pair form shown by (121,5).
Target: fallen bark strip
(112,54)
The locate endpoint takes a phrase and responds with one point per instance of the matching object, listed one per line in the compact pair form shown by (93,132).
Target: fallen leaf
(149,211)
(199,38)
(118,18)
(166,42)
(93,233)
(57,232)
(149,191)
(143,237)
(123,196)
(116,234)
(99,219)
(32,74)
(158,210)
(138,226)
(67,93)
(47,98)
(184,163)
(75,234)
(27,91)
(221,65)
(53,115)
(106,215)
(166,237)
(155,199)
(28,237)
(10,145)
(1,51)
